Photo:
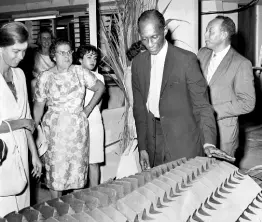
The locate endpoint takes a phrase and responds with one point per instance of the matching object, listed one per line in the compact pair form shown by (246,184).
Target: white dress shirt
(156,76)
(216,59)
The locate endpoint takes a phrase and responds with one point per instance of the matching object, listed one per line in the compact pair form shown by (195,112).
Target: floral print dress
(65,126)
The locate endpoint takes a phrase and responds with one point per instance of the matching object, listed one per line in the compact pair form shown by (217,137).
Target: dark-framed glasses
(64,53)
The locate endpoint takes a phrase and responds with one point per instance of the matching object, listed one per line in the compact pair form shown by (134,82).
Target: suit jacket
(232,93)
(186,116)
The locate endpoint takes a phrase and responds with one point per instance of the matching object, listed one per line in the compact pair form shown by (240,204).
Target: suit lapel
(221,69)
(170,62)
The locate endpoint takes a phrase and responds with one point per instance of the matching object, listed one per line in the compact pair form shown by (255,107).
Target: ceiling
(18,2)
(237,1)
(13,7)
(14,2)
(9,8)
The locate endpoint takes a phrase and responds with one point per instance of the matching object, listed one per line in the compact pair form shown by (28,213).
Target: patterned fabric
(66,126)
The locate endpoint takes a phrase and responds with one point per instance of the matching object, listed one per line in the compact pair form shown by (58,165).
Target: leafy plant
(124,22)
(116,44)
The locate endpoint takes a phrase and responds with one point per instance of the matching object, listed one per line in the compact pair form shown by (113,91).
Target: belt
(154,118)
(157,118)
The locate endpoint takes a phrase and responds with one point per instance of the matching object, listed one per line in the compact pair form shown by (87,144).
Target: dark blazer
(232,93)
(186,115)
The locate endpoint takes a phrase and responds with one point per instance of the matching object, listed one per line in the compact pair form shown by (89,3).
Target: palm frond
(157,4)
(178,20)
(116,44)
(174,29)
(163,12)
(178,40)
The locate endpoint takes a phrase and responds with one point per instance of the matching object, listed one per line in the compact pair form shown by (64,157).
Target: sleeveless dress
(96,129)
(42,63)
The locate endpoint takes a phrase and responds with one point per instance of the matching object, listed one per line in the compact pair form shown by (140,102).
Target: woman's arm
(33,85)
(36,172)
(17,124)
(38,111)
(98,90)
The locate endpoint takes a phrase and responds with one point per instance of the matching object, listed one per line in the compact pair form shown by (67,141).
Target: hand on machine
(211,151)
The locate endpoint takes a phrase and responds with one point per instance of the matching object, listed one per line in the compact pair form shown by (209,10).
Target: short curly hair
(54,46)
(134,50)
(83,49)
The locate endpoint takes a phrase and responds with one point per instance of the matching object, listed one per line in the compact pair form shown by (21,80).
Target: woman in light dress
(42,60)
(62,89)
(87,57)
(14,109)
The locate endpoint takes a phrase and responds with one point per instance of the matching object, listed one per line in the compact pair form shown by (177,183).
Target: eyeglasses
(64,53)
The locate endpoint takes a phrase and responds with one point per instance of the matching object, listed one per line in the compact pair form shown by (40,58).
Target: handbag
(13,179)
(41,142)
(129,162)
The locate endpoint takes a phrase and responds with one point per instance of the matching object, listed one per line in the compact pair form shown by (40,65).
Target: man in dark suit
(173,116)
(230,79)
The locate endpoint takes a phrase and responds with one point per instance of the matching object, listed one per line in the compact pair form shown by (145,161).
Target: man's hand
(144,160)
(211,151)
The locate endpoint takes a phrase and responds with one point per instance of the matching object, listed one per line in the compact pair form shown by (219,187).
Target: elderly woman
(62,88)
(14,111)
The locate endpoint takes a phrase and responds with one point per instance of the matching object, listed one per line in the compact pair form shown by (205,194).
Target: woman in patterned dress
(62,88)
